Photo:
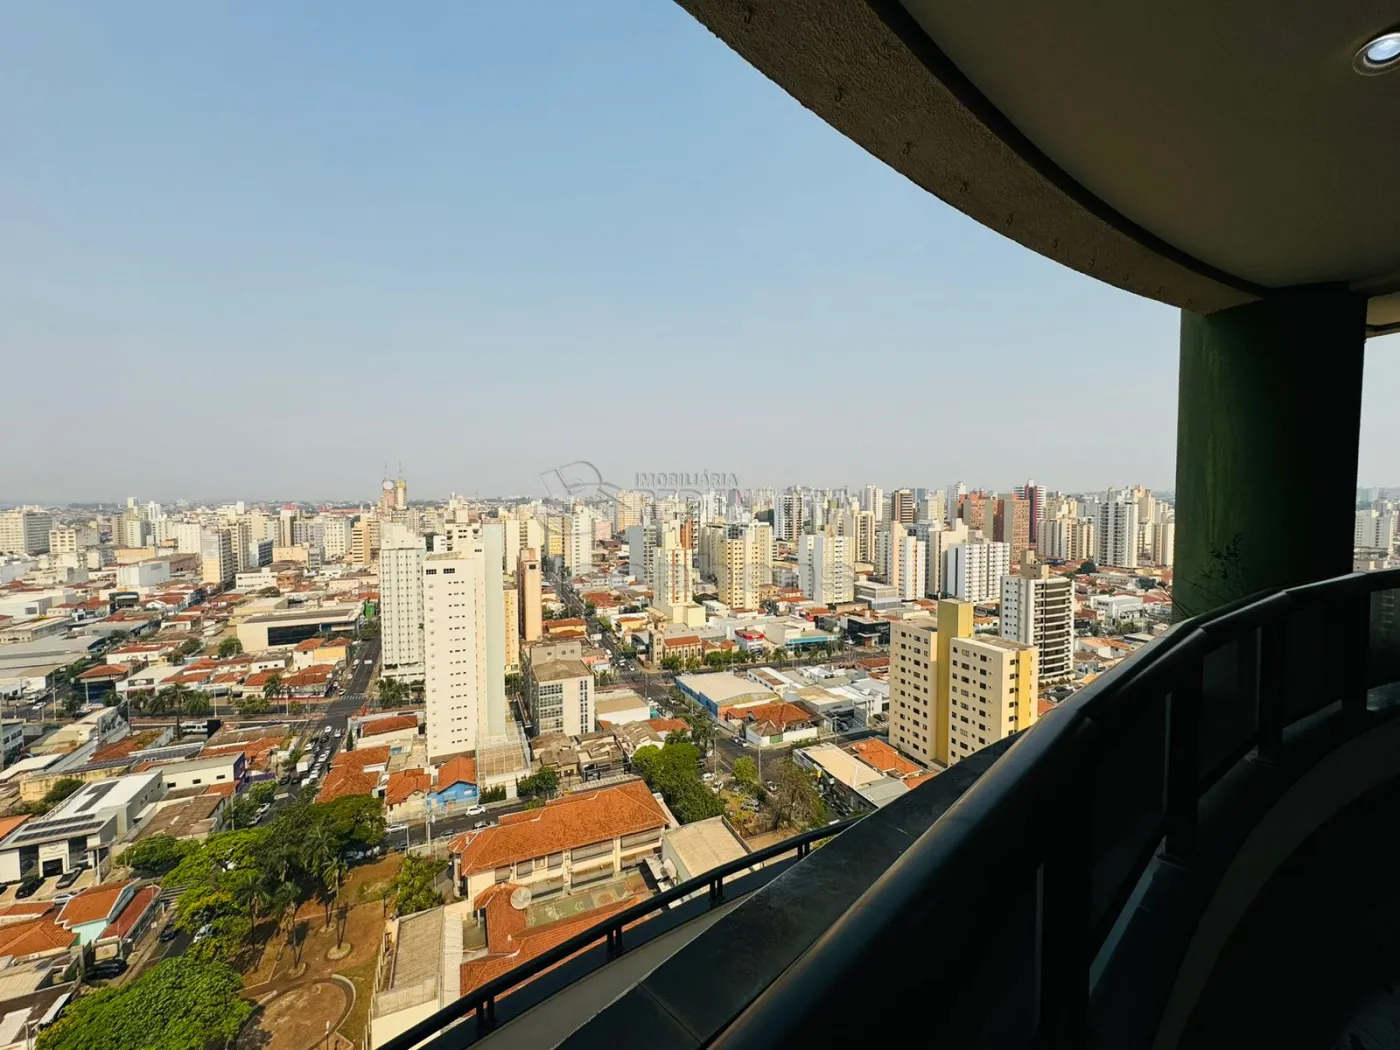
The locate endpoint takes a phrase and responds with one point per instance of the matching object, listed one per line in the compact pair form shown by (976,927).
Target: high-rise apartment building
(528,583)
(133,530)
(1375,530)
(1034,495)
(1117,530)
(627,511)
(70,539)
(579,533)
(978,509)
(365,541)
(337,536)
(887,549)
(641,541)
(1012,523)
(872,501)
(559,688)
(903,506)
(1164,542)
(1068,539)
(745,564)
(937,542)
(972,572)
(512,619)
(825,567)
(216,557)
(401,603)
(189,536)
(912,575)
(25,531)
(913,681)
(454,649)
(992,692)
(1038,609)
(672,575)
(859,526)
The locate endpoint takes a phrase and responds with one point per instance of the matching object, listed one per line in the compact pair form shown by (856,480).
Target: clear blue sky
(258,250)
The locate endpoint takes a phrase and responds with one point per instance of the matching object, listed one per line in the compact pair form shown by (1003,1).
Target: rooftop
(567,823)
(558,670)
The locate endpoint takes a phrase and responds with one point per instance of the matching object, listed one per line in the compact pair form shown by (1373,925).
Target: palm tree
(272,689)
(197,705)
(174,698)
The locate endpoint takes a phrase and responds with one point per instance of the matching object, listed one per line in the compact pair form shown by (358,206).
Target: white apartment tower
(25,531)
(1164,542)
(1375,530)
(1118,530)
(580,531)
(825,567)
(1038,609)
(672,573)
(454,649)
(401,602)
(972,572)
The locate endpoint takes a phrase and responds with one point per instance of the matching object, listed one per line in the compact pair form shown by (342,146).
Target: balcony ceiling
(1197,152)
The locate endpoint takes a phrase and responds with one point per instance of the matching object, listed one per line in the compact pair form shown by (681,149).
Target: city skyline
(551,232)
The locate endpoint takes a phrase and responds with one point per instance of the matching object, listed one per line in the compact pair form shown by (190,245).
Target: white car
(475,811)
(395,829)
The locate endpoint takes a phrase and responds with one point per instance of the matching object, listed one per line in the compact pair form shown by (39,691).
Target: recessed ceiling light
(1379,55)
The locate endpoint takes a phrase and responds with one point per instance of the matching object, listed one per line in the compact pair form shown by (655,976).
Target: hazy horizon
(258,250)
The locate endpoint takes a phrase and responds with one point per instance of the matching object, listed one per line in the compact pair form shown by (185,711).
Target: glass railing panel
(1383,658)
(1313,662)
(1229,704)
(1128,794)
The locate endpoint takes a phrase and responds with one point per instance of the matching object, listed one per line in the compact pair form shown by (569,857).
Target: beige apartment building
(992,694)
(69,539)
(744,564)
(913,688)
(364,542)
(528,583)
(559,688)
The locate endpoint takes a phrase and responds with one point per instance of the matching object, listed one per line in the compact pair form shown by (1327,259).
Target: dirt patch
(296,1019)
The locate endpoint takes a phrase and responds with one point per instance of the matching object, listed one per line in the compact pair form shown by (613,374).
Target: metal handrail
(1002,823)
(482,1000)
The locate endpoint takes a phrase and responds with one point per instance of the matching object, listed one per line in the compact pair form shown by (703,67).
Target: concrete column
(1268,422)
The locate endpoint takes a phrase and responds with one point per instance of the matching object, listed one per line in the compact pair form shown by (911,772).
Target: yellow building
(954,621)
(992,685)
(913,688)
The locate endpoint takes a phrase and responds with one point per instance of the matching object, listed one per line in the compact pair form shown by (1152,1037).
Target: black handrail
(1026,829)
(482,1000)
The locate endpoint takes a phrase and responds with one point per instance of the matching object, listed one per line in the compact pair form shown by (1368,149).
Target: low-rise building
(572,841)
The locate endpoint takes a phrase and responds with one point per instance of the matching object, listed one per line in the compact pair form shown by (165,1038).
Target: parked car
(396,829)
(28,887)
(106,970)
(68,878)
(481,824)
(203,932)
(707,776)
(168,933)
(475,811)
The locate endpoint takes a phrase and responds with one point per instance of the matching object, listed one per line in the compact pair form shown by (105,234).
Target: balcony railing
(1053,903)
(481,1002)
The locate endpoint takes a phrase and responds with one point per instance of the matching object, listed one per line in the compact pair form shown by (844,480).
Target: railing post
(1272,688)
(1184,761)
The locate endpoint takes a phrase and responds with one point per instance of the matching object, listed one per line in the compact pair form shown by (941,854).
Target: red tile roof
(880,756)
(104,671)
(361,757)
(669,725)
(406,783)
(459,770)
(510,942)
(388,725)
(139,904)
(566,823)
(776,714)
(344,781)
(31,938)
(96,902)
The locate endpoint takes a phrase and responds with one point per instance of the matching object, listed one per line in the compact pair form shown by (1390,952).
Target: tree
(262,794)
(157,855)
(797,800)
(671,663)
(1087,568)
(272,689)
(296,708)
(412,887)
(197,705)
(251,704)
(746,774)
(229,647)
(542,785)
(589,609)
(513,684)
(190,646)
(72,704)
(174,698)
(702,730)
(390,692)
(673,770)
(269,592)
(181,1004)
